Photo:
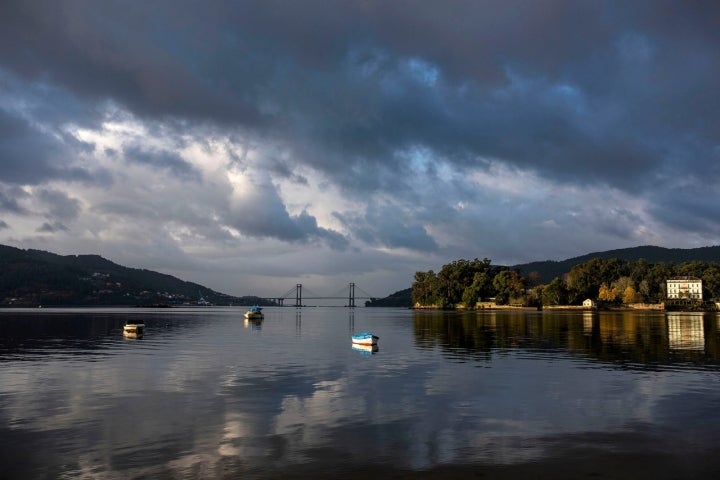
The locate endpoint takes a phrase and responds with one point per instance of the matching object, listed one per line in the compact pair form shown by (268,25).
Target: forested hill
(549,269)
(35,277)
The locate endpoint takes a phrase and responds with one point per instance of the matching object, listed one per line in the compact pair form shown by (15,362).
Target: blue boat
(365,338)
(255,313)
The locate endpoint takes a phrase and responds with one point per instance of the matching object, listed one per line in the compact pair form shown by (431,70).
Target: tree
(423,288)
(449,286)
(656,277)
(536,295)
(711,281)
(631,296)
(480,287)
(585,279)
(621,284)
(639,270)
(691,269)
(607,293)
(554,293)
(508,285)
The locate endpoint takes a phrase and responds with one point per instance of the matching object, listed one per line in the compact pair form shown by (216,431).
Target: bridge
(346,293)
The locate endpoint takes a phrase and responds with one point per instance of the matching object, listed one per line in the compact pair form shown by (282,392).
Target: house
(589,303)
(684,287)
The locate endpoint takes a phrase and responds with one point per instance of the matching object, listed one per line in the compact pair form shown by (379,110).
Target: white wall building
(589,303)
(684,287)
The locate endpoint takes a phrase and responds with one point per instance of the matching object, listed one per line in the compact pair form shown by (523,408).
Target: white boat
(365,338)
(134,329)
(255,313)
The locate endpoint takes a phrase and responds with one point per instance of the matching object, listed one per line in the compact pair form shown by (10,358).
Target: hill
(34,277)
(549,269)
(398,299)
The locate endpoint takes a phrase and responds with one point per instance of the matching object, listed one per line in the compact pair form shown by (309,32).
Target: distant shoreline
(645,307)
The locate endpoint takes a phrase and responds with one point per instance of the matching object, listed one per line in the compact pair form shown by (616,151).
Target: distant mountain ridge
(35,277)
(550,269)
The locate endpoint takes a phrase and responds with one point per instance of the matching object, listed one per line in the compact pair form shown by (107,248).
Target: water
(206,394)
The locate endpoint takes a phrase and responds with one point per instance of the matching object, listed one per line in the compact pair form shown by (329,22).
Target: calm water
(447,395)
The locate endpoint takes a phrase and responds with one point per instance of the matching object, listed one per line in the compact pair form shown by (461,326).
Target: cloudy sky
(251,145)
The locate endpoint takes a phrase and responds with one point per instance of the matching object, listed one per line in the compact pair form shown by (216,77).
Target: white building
(589,303)
(684,287)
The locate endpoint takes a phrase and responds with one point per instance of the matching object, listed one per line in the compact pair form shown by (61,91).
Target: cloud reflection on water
(218,399)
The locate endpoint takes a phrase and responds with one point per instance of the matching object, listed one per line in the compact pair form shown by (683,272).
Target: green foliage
(482,286)
(464,281)
(555,293)
(508,286)
(424,288)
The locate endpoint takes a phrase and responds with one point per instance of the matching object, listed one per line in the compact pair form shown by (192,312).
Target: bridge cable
(363,292)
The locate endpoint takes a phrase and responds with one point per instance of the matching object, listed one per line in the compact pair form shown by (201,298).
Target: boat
(255,313)
(365,338)
(134,328)
(202,302)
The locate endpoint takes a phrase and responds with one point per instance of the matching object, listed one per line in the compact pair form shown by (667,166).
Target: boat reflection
(253,323)
(365,349)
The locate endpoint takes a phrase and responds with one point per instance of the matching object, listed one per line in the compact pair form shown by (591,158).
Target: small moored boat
(365,338)
(134,328)
(255,313)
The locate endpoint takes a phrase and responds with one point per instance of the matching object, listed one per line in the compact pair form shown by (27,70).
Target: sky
(252,145)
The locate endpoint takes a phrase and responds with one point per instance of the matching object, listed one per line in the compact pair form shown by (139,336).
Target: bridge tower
(298,295)
(351,295)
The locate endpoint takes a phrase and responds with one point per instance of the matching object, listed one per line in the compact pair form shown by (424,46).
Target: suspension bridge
(350,293)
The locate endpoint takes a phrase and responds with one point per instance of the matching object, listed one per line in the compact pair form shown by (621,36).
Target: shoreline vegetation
(598,284)
(657,307)
(631,307)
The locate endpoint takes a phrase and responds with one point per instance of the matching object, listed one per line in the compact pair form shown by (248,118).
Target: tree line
(467,282)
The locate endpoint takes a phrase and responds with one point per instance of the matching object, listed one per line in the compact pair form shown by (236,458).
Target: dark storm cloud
(31,155)
(386,226)
(28,156)
(52,227)
(59,204)
(162,160)
(689,208)
(617,94)
(562,88)
(150,58)
(227,61)
(9,196)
